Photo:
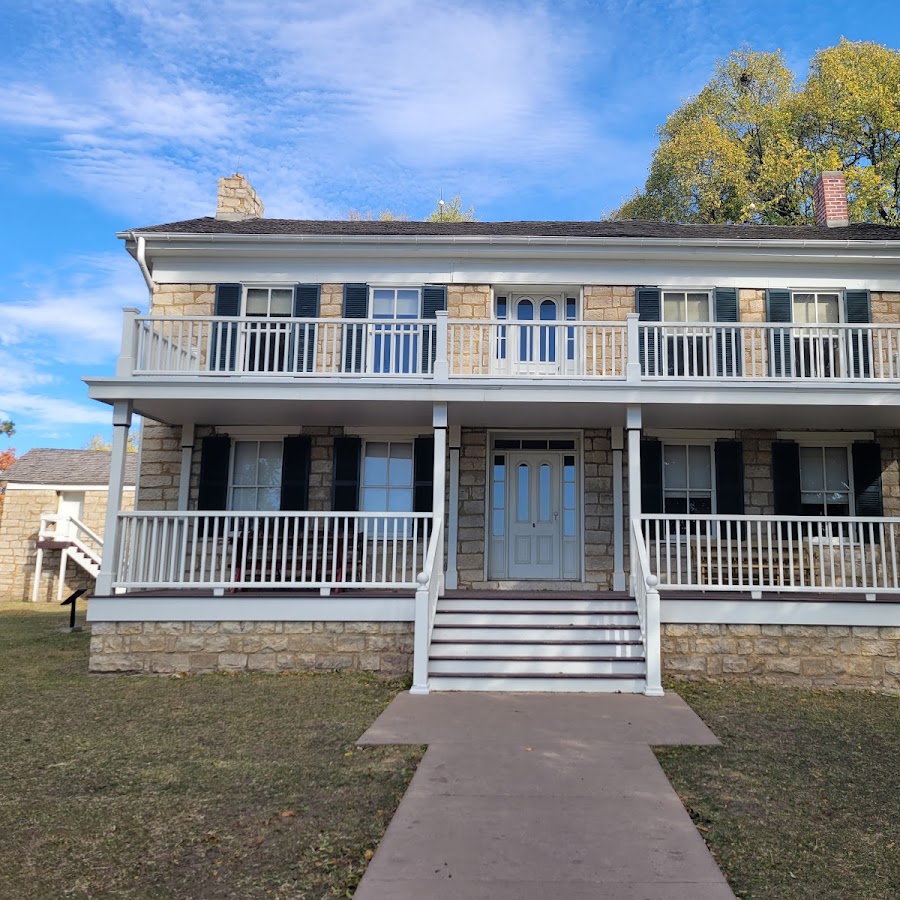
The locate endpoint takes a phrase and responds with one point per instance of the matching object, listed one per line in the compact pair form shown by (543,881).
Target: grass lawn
(802,801)
(210,786)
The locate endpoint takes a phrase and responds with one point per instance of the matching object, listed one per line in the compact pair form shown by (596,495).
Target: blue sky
(118,114)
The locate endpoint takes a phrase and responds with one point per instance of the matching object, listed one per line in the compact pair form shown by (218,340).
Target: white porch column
(187,452)
(618,443)
(633,426)
(441,345)
(440,472)
(451,580)
(122,410)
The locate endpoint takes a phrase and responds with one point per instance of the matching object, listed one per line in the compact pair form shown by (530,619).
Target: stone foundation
(803,656)
(198,647)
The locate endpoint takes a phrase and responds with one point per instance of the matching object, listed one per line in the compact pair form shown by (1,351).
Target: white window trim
(842,306)
(249,438)
(382,439)
(245,287)
(851,504)
(710,296)
(394,287)
(693,442)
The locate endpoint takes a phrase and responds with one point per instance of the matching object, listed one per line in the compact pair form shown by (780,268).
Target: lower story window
(387,477)
(825,481)
(256,476)
(687,479)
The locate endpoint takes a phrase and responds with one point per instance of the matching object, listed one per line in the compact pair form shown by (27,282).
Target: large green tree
(748,147)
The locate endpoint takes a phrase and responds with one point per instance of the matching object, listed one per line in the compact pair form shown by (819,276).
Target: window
(685,306)
(387,477)
(256,476)
(825,481)
(395,348)
(267,345)
(686,349)
(817,350)
(687,479)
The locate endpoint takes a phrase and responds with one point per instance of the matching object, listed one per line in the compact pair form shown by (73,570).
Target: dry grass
(211,786)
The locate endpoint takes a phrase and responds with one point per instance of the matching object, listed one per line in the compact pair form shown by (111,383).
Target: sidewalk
(536,796)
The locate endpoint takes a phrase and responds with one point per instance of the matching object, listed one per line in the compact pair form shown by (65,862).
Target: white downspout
(141,256)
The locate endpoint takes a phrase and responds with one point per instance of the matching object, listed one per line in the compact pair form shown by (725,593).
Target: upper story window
(255,475)
(686,306)
(269,301)
(395,303)
(395,348)
(819,308)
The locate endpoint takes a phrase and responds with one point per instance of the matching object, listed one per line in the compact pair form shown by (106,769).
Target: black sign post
(70,602)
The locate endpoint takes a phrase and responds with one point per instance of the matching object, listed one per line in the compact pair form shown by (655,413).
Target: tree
(8,428)
(452,212)
(383,215)
(748,147)
(98,443)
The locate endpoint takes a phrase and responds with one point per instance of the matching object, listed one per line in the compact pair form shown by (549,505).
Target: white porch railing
(228,550)
(773,553)
(430,587)
(646,596)
(439,349)
(770,351)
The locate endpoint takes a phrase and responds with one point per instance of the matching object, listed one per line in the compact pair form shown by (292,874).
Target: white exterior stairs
(550,643)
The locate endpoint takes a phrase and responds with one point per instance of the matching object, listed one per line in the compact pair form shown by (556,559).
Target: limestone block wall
(806,656)
(197,647)
(608,303)
(160,466)
(183,300)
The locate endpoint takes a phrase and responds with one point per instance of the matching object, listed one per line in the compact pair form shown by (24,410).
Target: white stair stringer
(545,644)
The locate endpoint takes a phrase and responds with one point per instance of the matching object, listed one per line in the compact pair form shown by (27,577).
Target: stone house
(53,519)
(509,455)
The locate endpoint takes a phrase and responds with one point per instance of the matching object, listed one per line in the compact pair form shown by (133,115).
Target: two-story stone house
(509,455)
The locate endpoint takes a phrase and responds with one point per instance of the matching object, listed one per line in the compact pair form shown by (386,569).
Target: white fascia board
(21,486)
(125,608)
(779,612)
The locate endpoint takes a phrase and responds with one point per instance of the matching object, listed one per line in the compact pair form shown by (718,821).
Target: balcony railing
(441,349)
(263,550)
(773,553)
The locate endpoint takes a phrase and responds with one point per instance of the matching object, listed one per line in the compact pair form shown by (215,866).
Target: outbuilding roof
(45,466)
(625,228)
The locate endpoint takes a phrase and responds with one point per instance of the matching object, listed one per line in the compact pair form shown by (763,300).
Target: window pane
(407,304)
(837,476)
(382,303)
(676,505)
(674,466)
(569,523)
(269,498)
(700,469)
(811,475)
(243,499)
(269,463)
(501,307)
(571,309)
(400,466)
(522,513)
(375,463)
(544,493)
(698,307)
(548,311)
(244,463)
(828,308)
(257,301)
(673,307)
(525,311)
(400,500)
(282,302)
(700,506)
(373,499)
(804,308)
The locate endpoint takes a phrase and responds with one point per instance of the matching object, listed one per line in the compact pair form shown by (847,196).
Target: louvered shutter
(651,477)
(345,483)
(867,486)
(356,306)
(729,477)
(423,474)
(858,309)
(648,304)
(224,334)
(303,335)
(295,473)
(786,477)
(215,460)
(780,309)
(729,343)
(434,297)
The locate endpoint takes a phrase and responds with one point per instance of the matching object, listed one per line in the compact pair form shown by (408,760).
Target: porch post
(187,451)
(38,571)
(618,443)
(451,580)
(122,410)
(440,473)
(441,345)
(633,426)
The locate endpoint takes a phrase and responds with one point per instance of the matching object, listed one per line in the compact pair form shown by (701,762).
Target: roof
(625,228)
(67,467)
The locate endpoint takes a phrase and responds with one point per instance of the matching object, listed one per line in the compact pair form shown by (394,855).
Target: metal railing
(773,553)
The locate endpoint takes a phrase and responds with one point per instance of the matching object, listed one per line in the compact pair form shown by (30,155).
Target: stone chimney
(830,200)
(237,200)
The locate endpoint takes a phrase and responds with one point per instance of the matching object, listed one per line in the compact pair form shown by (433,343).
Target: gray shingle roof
(626,228)
(67,467)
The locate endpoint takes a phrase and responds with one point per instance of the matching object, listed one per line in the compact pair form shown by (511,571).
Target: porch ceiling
(535,404)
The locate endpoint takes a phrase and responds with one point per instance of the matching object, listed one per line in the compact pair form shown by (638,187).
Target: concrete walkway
(537,796)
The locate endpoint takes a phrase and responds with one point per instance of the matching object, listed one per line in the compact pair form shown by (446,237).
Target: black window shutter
(306,306)
(648,305)
(780,309)
(434,297)
(729,345)
(651,477)
(356,306)
(215,460)
(730,478)
(423,474)
(228,303)
(786,477)
(867,480)
(295,473)
(345,483)
(858,308)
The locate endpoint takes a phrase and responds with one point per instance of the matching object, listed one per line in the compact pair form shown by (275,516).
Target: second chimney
(237,200)
(830,200)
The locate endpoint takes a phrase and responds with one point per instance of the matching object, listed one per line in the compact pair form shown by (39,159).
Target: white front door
(534,488)
(71,504)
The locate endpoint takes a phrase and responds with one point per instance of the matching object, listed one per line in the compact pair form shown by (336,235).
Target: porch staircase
(550,642)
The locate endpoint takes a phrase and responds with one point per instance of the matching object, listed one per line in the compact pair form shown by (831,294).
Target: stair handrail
(430,581)
(74,537)
(646,596)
